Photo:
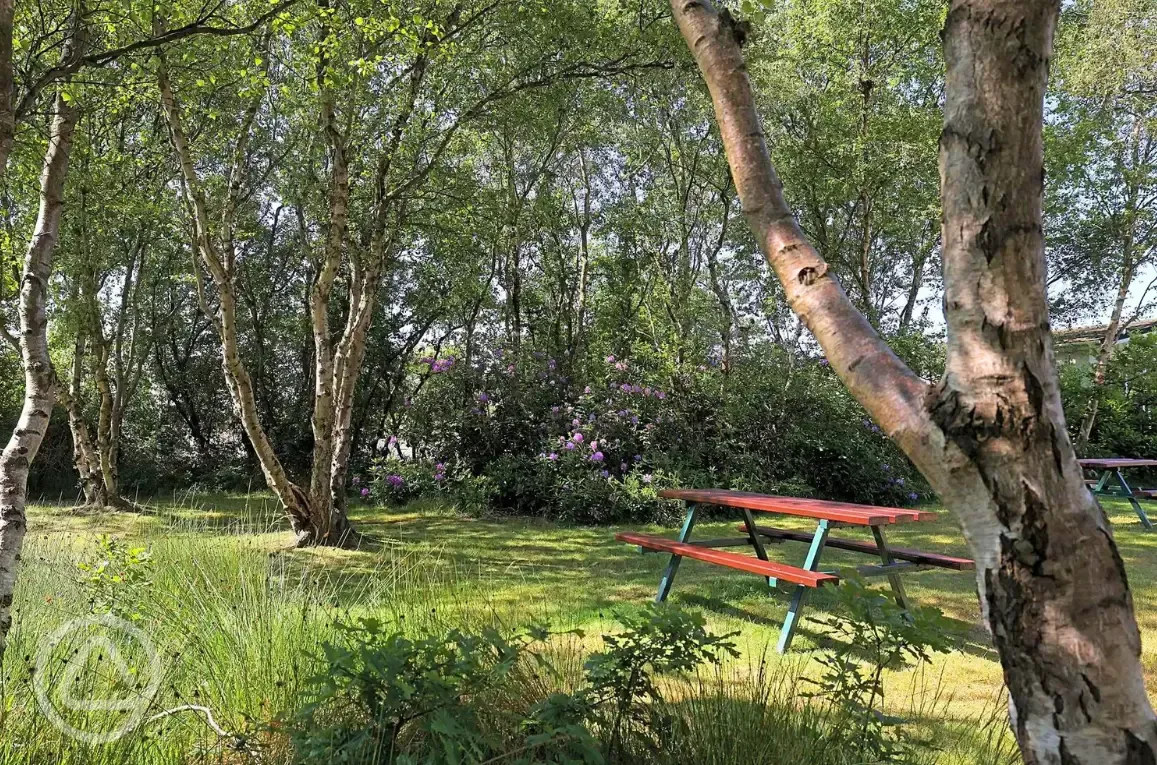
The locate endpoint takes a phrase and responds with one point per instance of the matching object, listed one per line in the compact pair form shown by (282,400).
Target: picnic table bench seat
(730,560)
(902,553)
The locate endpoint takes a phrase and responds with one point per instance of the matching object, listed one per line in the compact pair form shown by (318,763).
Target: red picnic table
(1109,469)
(893,560)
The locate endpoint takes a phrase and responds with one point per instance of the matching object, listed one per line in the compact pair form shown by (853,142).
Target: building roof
(1096,333)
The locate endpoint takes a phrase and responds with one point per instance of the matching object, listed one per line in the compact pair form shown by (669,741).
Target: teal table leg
(811,563)
(1133,500)
(756,542)
(673,565)
(893,579)
(1100,487)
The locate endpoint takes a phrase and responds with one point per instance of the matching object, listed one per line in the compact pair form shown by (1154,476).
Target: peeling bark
(39,375)
(991,436)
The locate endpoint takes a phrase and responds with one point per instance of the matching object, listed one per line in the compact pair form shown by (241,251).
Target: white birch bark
(39,375)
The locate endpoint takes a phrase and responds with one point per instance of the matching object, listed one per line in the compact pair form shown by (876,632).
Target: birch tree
(59,39)
(990,436)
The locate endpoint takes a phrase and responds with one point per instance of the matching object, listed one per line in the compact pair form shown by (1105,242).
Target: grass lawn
(237,615)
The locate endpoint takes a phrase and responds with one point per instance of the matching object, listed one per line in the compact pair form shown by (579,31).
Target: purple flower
(622,467)
(356,480)
(620,366)
(510,369)
(622,412)
(635,419)
(594,446)
(638,458)
(592,417)
(647,478)
(647,391)
(913,496)
(392,440)
(587,390)
(577,438)
(824,362)
(484,397)
(553,456)
(365,492)
(551,364)
(606,474)
(597,456)
(439,477)
(660,395)
(570,446)
(899,481)
(440,467)
(610,359)
(625,388)
(394,480)
(575,422)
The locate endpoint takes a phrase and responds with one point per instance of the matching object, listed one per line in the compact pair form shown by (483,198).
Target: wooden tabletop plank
(1111,463)
(738,562)
(843,512)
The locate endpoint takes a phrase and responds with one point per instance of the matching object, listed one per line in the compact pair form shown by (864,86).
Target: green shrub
(596,442)
(382,697)
(873,634)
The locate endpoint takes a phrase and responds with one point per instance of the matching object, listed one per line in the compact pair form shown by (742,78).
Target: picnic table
(829,515)
(1109,469)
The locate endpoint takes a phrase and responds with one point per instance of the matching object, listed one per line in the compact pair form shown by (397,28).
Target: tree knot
(812,274)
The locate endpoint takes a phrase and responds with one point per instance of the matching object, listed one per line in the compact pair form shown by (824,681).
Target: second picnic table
(893,560)
(1109,469)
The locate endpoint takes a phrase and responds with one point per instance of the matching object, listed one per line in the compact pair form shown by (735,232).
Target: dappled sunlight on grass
(425,568)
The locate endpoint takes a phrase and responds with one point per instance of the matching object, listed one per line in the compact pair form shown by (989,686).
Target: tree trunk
(351,352)
(990,437)
(83,452)
(1113,331)
(39,376)
(326,500)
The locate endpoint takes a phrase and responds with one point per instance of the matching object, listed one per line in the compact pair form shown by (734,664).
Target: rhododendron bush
(596,440)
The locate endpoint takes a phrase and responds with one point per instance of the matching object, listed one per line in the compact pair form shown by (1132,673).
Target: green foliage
(116,577)
(1125,423)
(622,679)
(872,635)
(597,440)
(383,697)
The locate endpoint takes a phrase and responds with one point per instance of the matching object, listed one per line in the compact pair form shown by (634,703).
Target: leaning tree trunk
(39,376)
(991,436)
(1109,339)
